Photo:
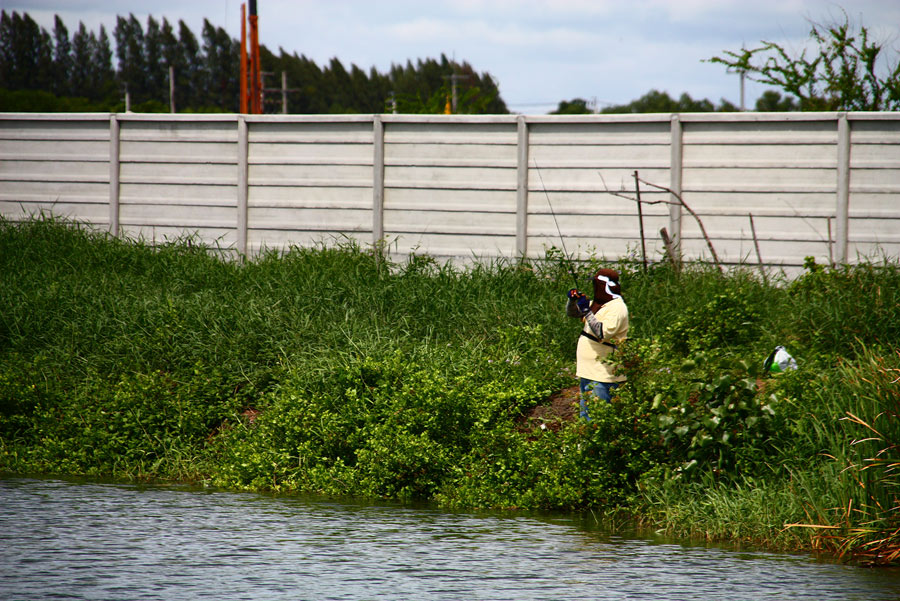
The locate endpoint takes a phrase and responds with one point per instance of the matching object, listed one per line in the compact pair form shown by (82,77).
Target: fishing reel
(581,300)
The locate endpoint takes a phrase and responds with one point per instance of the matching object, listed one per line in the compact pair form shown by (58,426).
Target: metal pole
(377,181)
(284,92)
(522,187)
(255,75)
(243,58)
(171,89)
(675,166)
(243,186)
(842,205)
(114,175)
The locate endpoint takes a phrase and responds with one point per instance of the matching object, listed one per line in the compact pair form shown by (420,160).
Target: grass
(328,369)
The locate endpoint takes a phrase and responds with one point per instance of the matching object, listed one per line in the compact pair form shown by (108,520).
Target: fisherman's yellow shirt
(590,355)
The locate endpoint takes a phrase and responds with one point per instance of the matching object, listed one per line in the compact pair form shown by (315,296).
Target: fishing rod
(559,231)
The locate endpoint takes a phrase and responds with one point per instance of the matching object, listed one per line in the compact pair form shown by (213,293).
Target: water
(70,540)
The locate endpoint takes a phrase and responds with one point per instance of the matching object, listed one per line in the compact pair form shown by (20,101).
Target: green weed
(331,369)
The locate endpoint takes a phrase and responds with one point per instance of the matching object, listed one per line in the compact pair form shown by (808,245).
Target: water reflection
(107,541)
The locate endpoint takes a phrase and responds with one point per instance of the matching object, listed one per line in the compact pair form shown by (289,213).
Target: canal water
(95,541)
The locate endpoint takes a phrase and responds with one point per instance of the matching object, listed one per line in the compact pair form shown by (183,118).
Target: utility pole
(743,77)
(255,75)
(243,107)
(283,90)
(171,89)
(453,79)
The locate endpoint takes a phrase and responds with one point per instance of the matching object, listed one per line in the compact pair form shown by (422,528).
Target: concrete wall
(464,187)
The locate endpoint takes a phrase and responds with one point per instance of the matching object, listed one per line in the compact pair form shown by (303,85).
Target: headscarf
(606,288)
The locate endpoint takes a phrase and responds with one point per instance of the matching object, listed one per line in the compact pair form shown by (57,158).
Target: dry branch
(679,202)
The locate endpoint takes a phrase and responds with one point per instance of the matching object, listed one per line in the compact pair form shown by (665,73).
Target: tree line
(842,68)
(47,72)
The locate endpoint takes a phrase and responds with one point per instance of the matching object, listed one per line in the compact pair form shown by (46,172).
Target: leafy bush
(331,370)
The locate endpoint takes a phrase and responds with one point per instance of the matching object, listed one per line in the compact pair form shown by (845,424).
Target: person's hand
(581,301)
(584,305)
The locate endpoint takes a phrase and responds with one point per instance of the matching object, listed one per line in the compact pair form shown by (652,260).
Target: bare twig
(680,202)
(762,268)
(637,192)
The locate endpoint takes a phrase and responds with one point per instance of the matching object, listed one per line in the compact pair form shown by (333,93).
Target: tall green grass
(331,369)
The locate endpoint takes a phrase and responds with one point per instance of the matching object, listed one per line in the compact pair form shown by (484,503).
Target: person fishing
(605,324)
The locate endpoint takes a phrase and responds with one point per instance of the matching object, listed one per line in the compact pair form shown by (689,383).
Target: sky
(539,52)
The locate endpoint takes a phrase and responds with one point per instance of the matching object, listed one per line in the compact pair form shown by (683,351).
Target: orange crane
(250,65)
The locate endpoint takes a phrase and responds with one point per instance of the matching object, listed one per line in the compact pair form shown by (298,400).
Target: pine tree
(102,78)
(62,59)
(130,51)
(222,56)
(27,53)
(190,78)
(82,47)
(157,71)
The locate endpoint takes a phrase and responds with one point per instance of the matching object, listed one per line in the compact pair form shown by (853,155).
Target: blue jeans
(601,390)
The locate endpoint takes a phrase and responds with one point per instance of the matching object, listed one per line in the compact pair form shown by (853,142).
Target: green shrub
(329,369)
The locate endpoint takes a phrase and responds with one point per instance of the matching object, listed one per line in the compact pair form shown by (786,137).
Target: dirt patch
(250,415)
(560,408)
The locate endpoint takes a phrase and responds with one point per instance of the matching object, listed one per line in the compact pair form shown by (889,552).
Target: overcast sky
(538,51)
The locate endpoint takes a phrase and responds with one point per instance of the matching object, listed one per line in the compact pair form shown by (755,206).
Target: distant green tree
(62,59)
(840,74)
(655,101)
(189,76)
(172,56)
(772,101)
(157,70)
(303,75)
(576,106)
(81,62)
(129,35)
(427,87)
(221,59)
(26,53)
(102,76)
(92,76)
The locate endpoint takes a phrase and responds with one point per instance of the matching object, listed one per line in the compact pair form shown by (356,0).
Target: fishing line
(559,231)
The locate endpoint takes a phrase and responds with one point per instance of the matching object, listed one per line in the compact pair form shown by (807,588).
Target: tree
(221,58)
(130,51)
(655,101)
(576,106)
(428,87)
(26,53)
(81,62)
(190,77)
(102,76)
(62,59)
(157,70)
(173,57)
(772,101)
(840,75)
